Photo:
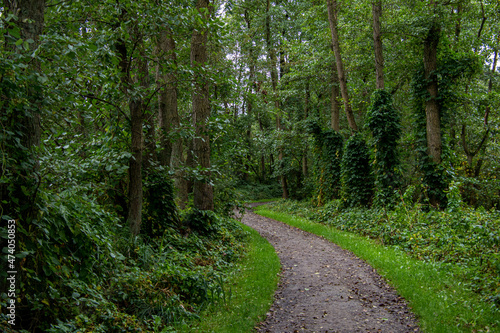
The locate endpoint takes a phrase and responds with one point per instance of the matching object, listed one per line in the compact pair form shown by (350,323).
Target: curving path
(324,288)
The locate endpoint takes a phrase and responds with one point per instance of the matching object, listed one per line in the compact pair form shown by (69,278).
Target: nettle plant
(384,123)
(357,180)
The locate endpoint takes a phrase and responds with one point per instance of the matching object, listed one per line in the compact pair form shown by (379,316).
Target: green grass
(263,200)
(252,288)
(437,299)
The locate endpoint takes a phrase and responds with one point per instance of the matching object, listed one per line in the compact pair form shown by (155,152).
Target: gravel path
(324,288)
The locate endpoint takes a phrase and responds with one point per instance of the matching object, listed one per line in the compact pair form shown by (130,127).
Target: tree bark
(332,18)
(307,98)
(135,171)
(271,52)
(377,43)
(432,110)
(167,98)
(203,191)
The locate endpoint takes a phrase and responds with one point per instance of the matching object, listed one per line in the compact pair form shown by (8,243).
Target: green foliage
(160,208)
(384,123)
(20,101)
(357,180)
(82,270)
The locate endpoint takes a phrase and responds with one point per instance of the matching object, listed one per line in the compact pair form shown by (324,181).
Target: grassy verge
(436,297)
(252,290)
(263,200)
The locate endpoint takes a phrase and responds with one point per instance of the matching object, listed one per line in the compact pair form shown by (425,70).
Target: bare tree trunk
(172,154)
(335,105)
(332,18)
(167,98)
(203,191)
(274,81)
(432,111)
(377,43)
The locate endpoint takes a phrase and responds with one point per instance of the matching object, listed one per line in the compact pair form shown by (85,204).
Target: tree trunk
(335,105)
(203,191)
(149,155)
(432,112)
(332,18)
(30,15)
(305,170)
(167,98)
(377,43)
(135,171)
(271,52)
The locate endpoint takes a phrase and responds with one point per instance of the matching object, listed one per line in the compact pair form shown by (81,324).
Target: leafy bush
(81,270)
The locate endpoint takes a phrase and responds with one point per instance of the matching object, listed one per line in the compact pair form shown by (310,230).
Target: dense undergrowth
(464,237)
(80,270)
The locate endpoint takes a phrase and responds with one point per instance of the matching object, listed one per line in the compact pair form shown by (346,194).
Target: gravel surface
(324,288)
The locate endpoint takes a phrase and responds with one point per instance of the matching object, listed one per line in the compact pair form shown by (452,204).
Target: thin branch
(108,102)
(485,136)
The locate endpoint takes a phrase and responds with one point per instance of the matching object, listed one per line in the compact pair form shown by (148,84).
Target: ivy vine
(357,179)
(384,123)
(452,66)
(328,151)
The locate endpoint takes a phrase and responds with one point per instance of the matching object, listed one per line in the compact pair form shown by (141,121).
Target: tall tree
(203,190)
(272,59)
(332,19)
(432,109)
(334,101)
(377,43)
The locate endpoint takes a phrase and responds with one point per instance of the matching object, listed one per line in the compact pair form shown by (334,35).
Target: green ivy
(384,123)
(451,68)
(328,150)
(357,180)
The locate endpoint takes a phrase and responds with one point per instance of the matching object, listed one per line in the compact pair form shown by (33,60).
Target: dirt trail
(324,288)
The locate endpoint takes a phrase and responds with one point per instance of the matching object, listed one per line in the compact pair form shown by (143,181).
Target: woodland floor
(324,288)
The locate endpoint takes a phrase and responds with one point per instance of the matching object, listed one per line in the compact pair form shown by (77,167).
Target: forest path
(324,288)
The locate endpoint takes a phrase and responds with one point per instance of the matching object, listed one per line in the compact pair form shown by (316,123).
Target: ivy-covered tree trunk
(332,18)
(384,123)
(30,14)
(203,191)
(357,179)
(271,52)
